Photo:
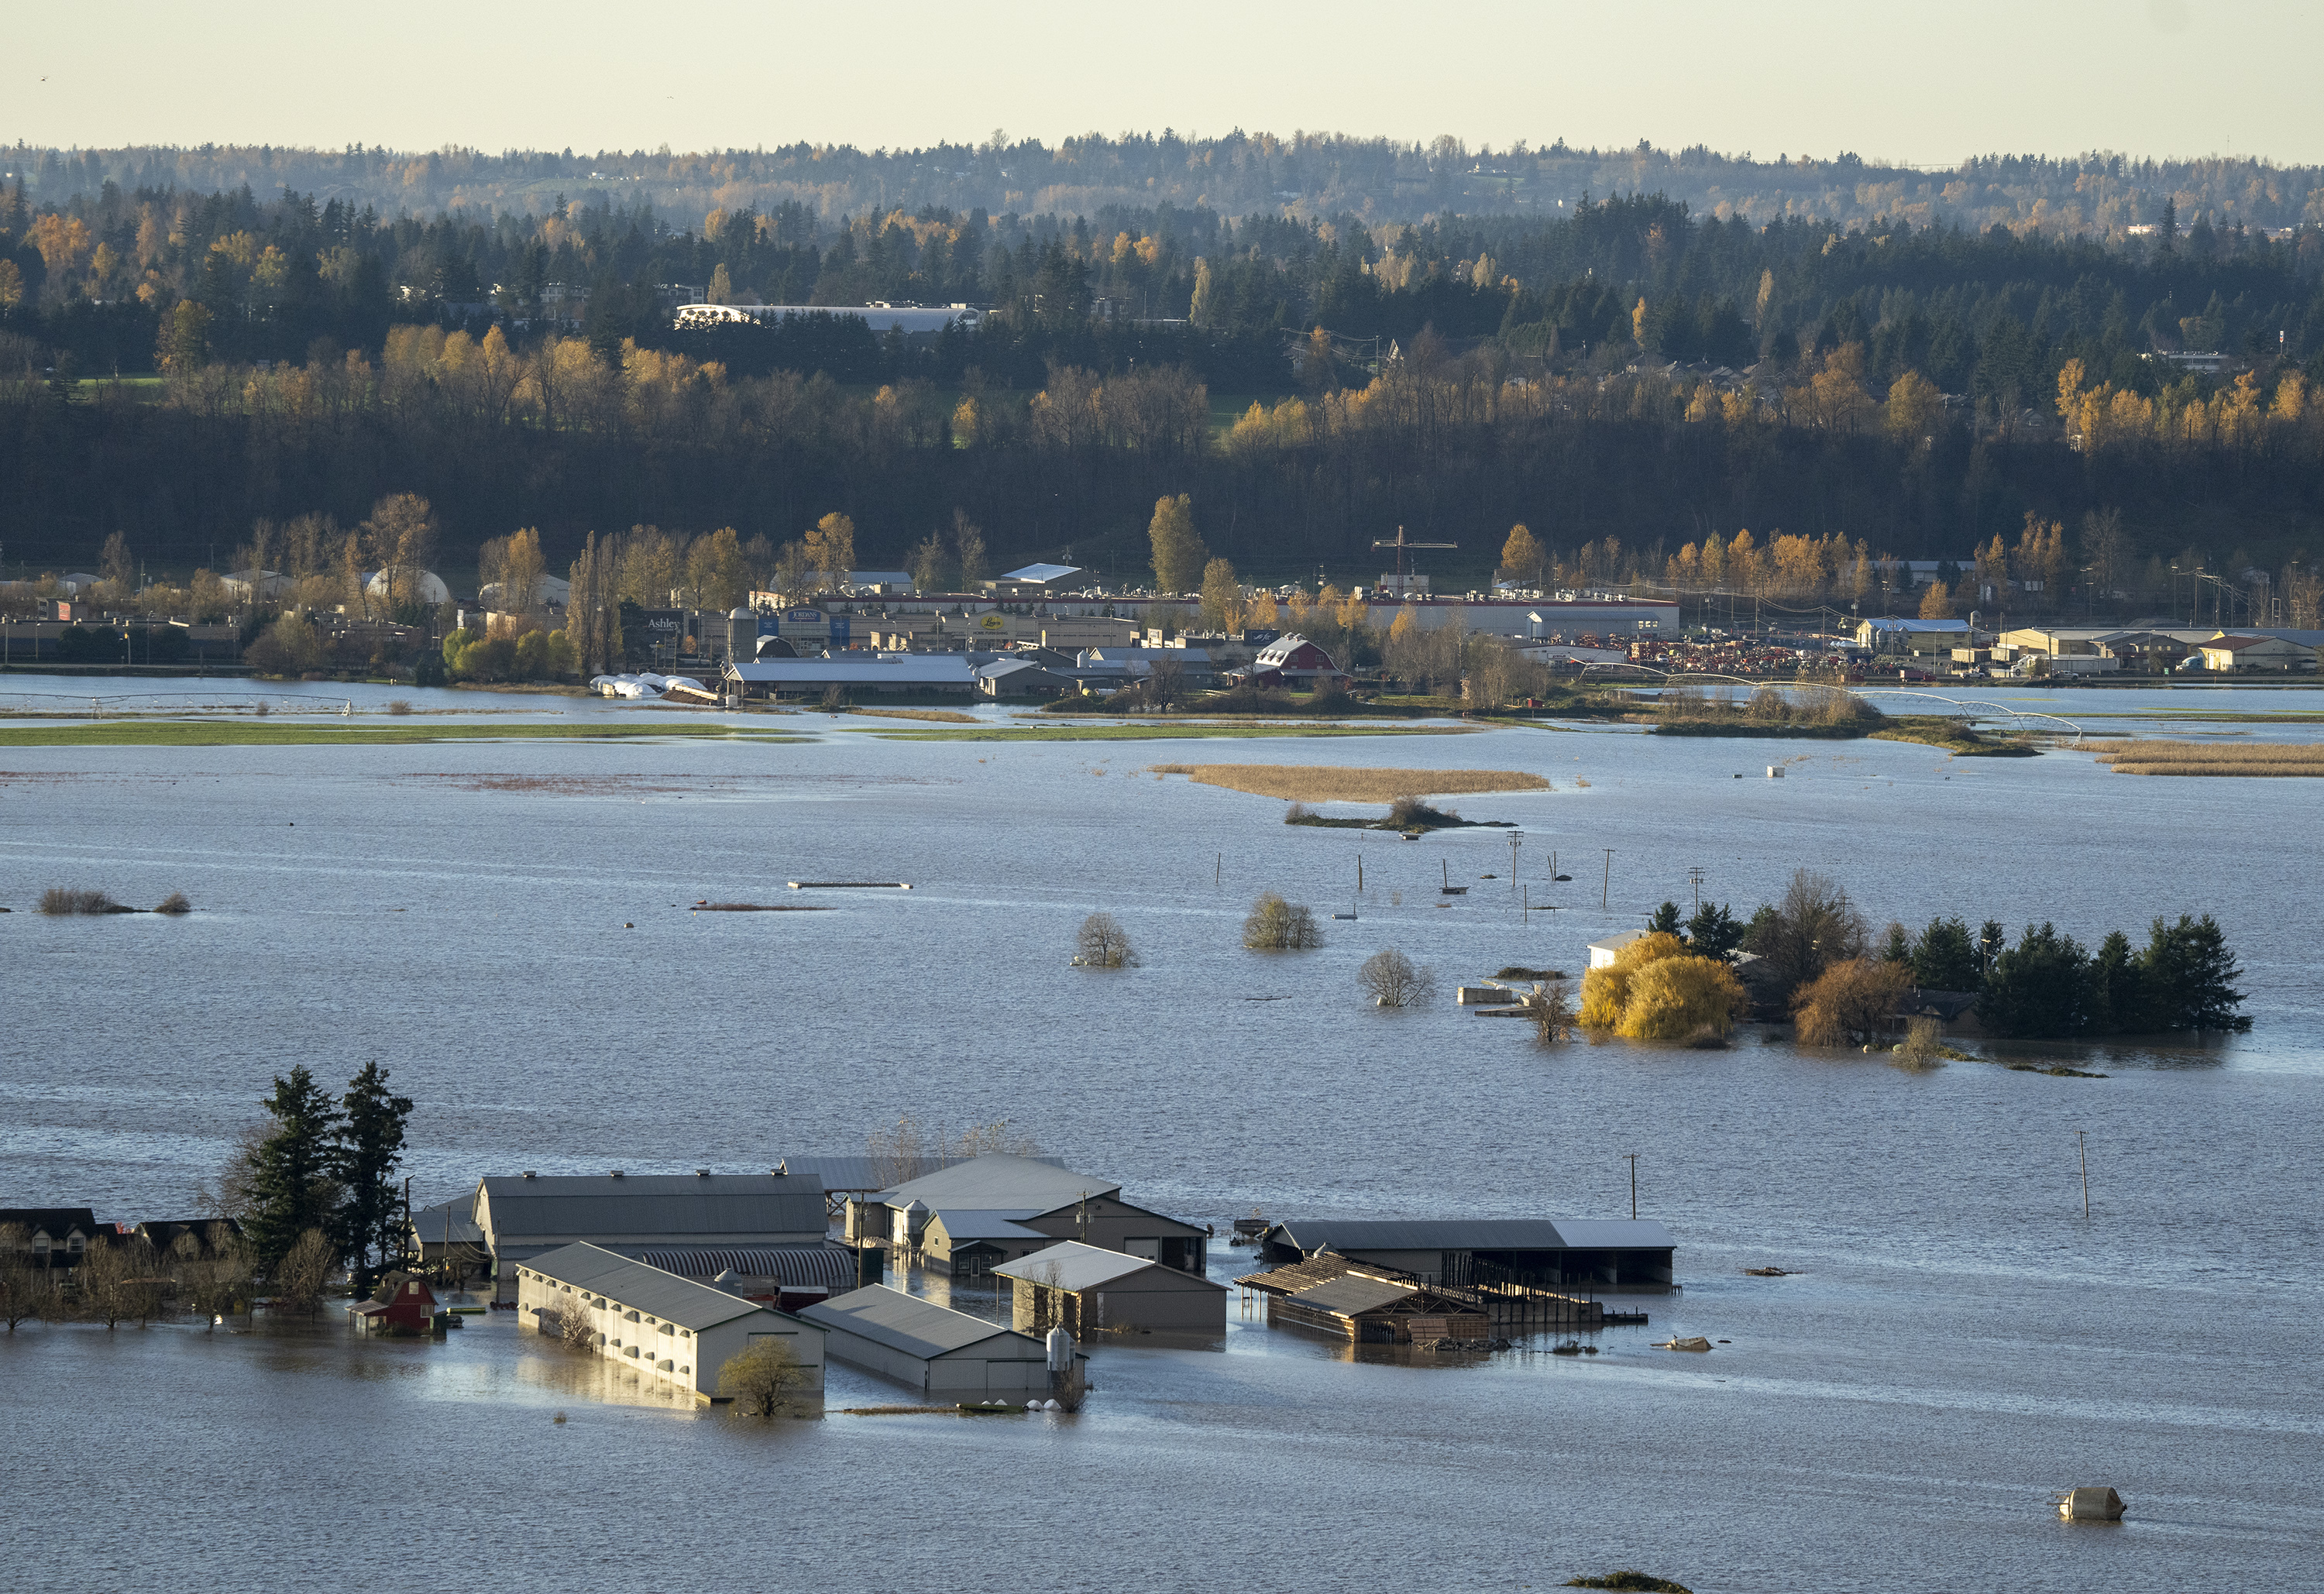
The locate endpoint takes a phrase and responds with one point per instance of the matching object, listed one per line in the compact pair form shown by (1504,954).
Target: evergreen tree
(1898,947)
(1945,959)
(294,1172)
(1714,932)
(2187,978)
(2036,988)
(1665,921)
(1990,939)
(2114,1001)
(372,1149)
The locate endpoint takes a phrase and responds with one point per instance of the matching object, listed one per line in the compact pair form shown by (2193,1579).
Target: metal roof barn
(672,1329)
(1088,1290)
(999,1183)
(1633,1253)
(930,1348)
(525,1215)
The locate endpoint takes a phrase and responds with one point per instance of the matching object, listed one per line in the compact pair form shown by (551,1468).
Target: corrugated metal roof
(1080,1267)
(641,1208)
(969,1223)
(449,1222)
(1352,1293)
(648,1290)
(831,1265)
(918,1327)
(1075,1265)
(1615,1234)
(1478,1234)
(1000,1182)
(1042,572)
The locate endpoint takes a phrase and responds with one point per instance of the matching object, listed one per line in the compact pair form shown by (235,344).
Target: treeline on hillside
(1988,314)
(1617,478)
(1238,174)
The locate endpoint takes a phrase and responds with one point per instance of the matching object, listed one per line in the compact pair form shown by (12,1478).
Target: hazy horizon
(2168,79)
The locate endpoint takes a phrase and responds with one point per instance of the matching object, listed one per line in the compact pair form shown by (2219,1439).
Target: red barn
(1292,661)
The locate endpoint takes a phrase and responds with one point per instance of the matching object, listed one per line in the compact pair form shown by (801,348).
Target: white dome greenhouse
(423,586)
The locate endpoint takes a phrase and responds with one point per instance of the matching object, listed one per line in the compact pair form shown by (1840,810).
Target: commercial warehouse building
(671,1330)
(930,1348)
(1087,1291)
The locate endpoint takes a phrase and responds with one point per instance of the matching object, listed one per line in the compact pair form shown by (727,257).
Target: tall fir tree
(371,1142)
(295,1170)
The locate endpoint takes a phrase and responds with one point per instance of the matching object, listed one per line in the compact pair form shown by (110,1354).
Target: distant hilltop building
(911,320)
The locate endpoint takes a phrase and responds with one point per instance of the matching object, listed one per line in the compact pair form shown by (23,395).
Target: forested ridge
(1920,389)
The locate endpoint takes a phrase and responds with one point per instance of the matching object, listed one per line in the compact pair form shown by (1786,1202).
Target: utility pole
(1633,1158)
(1606,887)
(1694,878)
(2082,1145)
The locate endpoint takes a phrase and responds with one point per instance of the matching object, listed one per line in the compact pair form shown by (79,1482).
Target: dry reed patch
(1321,783)
(2199,758)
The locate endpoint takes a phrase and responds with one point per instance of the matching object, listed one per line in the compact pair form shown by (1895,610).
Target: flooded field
(1959,1342)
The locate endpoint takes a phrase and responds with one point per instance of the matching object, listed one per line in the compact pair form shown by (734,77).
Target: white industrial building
(671,1330)
(930,1348)
(526,1215)
(908,320)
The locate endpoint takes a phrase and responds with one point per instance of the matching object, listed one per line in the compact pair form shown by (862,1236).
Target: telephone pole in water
(1633,1158)
(2082,1145)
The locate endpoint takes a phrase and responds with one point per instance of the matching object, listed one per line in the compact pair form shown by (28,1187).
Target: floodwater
(1959,1342)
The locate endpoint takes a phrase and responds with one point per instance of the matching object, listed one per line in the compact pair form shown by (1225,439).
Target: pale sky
(1928,83)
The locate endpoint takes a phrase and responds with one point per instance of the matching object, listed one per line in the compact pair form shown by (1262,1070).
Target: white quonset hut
(1089,1291)
(930,1348)
(526,1215)
(672,1330)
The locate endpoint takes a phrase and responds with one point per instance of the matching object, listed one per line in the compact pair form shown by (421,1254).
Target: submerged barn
(1561,1254)
(530,1215)
(976,1215)
(930,1348)
(1371,1311)
(1087,1290)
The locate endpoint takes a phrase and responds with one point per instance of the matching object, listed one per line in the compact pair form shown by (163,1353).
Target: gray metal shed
(930,1348)
(1090,1291)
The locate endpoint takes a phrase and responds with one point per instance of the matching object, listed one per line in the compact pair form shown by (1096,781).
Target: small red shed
(409,1309)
